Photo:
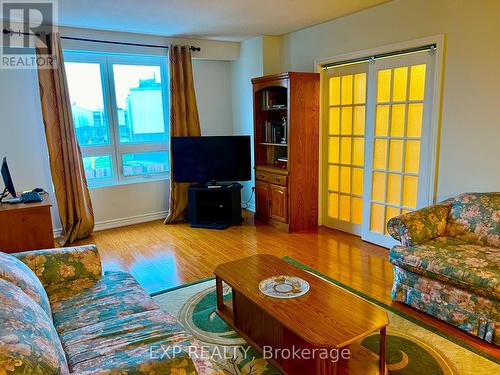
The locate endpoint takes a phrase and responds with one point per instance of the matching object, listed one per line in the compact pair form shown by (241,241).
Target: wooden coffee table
(325,318)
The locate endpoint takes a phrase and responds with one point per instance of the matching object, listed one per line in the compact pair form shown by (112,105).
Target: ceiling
(213,19)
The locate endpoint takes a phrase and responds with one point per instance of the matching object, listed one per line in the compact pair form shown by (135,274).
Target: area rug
(411,348)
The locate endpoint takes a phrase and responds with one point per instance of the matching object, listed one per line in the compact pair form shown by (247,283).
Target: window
(119,109)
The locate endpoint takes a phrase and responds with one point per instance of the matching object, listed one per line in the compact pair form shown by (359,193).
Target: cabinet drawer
(272,178)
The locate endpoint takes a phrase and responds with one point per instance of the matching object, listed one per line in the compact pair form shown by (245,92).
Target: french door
(377,143)
(344,140)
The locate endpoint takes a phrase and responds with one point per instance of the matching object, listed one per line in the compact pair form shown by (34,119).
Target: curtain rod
(12,32)
(429,47)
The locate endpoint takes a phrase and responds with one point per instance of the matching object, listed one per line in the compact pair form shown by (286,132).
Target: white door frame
(435,122)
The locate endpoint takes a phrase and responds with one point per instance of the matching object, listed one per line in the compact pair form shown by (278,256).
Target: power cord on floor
(245,205)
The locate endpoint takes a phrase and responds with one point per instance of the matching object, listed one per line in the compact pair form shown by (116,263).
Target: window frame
(115,148)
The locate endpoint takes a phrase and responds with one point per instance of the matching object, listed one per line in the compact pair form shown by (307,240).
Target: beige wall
(258,56)
(469,157)
(248,66)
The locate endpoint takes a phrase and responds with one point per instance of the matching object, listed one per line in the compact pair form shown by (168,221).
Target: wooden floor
(162,256)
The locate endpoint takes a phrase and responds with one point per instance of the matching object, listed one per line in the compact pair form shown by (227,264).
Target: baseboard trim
(123,222)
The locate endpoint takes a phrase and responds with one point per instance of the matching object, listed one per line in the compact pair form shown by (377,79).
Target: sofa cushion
(468,266)
(64,264)
(130,344)
(28,341)
(475,218)
(79,303)
(18,273)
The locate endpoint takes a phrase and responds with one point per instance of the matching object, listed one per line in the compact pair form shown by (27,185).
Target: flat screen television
(208,159)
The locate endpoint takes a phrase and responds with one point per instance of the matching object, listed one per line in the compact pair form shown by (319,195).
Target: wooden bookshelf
(286,136)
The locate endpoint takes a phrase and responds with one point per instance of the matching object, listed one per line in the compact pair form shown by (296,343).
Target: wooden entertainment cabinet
(286,142)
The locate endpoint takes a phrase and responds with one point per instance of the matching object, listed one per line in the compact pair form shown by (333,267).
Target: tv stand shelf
(214,207)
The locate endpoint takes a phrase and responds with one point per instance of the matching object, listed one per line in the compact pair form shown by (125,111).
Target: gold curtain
(184,120)
(66,165)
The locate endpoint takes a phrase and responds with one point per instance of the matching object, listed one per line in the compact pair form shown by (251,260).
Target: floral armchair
(449,262)
(59,314)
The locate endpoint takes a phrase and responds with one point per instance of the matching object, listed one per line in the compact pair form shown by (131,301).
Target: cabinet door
(279,202)
(262,198)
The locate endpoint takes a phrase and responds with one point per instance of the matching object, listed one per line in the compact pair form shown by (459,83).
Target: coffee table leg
(326,367)
(382,351)
(218,287)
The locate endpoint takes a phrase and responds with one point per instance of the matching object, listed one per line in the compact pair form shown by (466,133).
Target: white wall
(22,137)
(212,81)
(249,65)
(470,130)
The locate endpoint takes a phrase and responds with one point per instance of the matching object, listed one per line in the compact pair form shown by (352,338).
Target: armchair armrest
(416,227)
(63,264)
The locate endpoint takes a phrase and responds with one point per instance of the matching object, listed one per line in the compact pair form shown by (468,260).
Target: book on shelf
(275,132)
(281,162)
(273,100)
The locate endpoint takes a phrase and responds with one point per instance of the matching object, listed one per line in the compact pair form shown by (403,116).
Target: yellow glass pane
(346,90)
(333,205)
(405,211)
(357,181)
(345,179)
(358,151)
(345,149)
(384,85)
(382,121)
(333,177)
(357,210)
(334,91)
(415,112)
(333,150)
(410,188)
(398,120)
(377,218)
(345,208)
(346,121)
(412,156)
(380,153)
(359,120)
(417,82)
(378,186)
(390,212)
(394,188)
(360,88)
(334,120)
(396,155)
(399,84)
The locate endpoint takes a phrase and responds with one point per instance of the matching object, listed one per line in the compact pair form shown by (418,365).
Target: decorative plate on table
(283,286)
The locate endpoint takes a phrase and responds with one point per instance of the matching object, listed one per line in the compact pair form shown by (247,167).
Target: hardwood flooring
(162,256)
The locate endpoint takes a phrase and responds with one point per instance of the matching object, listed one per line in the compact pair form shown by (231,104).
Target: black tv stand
(214,206)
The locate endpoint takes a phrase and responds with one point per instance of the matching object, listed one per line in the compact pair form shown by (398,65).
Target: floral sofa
(59,314)
(449,263)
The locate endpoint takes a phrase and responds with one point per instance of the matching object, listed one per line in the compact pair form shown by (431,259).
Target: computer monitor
(7,180)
